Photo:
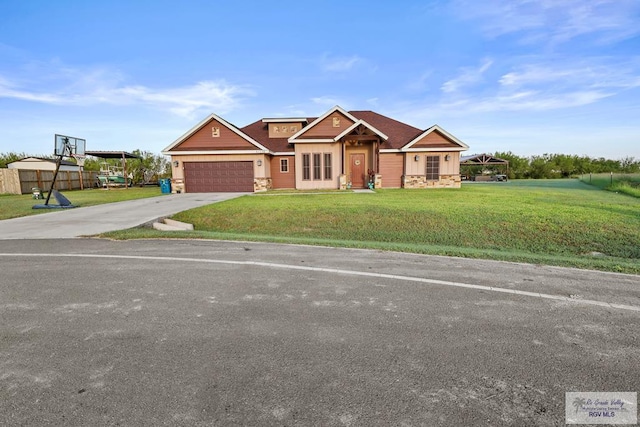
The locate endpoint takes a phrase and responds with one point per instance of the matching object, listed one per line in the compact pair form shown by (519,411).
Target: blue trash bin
(165,185)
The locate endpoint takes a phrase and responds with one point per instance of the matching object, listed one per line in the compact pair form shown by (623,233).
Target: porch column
(124,171)
(376,155)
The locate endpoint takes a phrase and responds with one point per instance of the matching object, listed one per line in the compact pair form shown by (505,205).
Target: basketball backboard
(68,145)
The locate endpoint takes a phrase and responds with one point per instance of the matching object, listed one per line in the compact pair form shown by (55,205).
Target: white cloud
(559,85)
(71,87)
(327,101)
(218,96)
(420,83)
(526,101)
(338,64)
(592,73)
(467,77)
(373,101)
(535,74)
(554,21)
(8,90)
(539,86)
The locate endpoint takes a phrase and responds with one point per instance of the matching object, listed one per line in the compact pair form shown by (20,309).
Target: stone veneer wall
(177,185)
(262,184)
(420,181)
(343,182)
(377,182)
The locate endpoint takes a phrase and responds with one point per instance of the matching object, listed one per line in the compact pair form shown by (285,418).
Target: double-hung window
(284,165)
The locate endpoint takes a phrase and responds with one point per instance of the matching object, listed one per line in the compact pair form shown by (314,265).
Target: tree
(602,165)
(6,158)
(540,167)
(629,165)
(148,167)
(583,164)
(91,164)
(563,164)
(518,166)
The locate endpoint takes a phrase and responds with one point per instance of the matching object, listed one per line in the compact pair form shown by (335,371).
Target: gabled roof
(203,123)
(350,129)
(398,133)
(395,136)
(482,159)
(337,108)
(434,128)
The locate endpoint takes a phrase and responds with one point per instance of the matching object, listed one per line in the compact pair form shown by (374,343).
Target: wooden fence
(21,181)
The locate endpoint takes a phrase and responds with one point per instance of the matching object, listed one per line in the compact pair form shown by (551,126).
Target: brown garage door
(209,177)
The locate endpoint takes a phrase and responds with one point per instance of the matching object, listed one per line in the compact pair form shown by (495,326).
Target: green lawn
(556,222)
(13,206)
(621,183)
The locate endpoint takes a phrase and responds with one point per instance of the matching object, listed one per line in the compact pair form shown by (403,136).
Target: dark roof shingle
(399,133)
(260,132)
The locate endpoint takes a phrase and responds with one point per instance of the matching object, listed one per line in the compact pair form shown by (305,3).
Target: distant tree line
(560,165)
(6,158)
(148,167)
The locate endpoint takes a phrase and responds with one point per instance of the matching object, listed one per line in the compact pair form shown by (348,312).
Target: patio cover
(122,155)
(111,154)
(482,159)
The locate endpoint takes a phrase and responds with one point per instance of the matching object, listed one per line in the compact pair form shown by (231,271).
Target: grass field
(13,206)
(628,184)
(556,222)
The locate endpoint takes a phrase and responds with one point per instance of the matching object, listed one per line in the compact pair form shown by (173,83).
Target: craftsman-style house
(338,150)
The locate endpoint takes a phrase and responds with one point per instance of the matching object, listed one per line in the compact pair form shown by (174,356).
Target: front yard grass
(554,222)
(628,184)
(13,206)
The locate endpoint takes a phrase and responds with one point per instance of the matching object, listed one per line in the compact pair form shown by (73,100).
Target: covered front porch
(361,157)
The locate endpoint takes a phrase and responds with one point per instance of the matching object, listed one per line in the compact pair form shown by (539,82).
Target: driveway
(70,223)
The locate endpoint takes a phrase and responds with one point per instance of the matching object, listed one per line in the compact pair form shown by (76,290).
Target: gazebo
(483,160)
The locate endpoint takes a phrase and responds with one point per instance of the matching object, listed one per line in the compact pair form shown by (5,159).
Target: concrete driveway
(70,223)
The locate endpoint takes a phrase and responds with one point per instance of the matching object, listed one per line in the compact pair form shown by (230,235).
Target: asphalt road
(95,332)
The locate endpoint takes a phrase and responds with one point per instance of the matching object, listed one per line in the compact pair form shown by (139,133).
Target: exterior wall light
(259,162)
(176,163)
(447,157)
(416,158)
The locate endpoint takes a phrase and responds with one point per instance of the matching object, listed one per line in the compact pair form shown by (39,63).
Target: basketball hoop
(79,159)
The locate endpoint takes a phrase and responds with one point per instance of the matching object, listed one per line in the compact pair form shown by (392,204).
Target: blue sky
(531,77)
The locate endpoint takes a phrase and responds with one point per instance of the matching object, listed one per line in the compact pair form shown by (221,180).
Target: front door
(357,170)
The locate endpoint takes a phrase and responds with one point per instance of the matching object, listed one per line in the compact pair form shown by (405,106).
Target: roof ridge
(387,118)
